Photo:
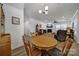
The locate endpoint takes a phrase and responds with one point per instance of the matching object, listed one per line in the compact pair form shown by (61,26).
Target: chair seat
(55,52)
(36,52)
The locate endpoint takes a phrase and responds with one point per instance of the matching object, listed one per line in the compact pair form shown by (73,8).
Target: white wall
(76,30)
(16,31)
(29,25)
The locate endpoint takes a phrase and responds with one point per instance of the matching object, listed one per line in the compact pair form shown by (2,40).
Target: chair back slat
(27,45)
(67,46)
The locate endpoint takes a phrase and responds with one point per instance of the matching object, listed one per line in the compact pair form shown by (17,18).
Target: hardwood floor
(74,51)
(19,52)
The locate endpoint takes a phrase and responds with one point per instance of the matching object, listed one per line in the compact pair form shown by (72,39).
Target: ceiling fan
(45,11)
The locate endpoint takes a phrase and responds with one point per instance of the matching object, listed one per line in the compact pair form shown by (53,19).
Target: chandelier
(45,11)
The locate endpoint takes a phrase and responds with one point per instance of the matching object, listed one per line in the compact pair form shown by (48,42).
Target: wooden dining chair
(29,49)
(64,51)
(67,46)
(26,45)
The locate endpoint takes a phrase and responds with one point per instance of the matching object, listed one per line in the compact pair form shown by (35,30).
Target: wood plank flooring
(74,51)
(19,51)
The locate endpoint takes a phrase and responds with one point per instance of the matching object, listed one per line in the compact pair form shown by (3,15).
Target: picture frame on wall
(15,20)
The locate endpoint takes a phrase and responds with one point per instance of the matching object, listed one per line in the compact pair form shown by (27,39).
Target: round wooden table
(44,42)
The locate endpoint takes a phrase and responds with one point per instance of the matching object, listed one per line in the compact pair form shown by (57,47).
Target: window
(57,26)
(61,26)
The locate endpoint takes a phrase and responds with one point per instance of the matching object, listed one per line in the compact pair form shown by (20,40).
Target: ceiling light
(46,7)
(46,12)
(40,11)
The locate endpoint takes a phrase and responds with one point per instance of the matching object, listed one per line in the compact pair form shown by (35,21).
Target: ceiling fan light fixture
(40,11)
(46,7)
(46,12)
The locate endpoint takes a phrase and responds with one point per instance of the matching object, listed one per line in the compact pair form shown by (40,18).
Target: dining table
(44,42)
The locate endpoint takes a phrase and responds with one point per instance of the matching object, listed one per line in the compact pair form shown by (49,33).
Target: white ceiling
(16,5)
(56,10)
